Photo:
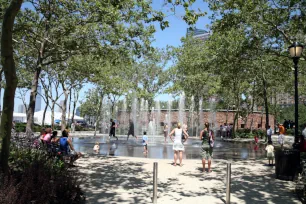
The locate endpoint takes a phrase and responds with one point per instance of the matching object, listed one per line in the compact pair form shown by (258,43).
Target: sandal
(181,165)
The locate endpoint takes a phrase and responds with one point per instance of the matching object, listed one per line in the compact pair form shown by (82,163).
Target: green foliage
(30,169)
(247,133)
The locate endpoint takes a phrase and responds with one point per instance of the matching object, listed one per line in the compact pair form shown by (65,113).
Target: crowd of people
(60,145)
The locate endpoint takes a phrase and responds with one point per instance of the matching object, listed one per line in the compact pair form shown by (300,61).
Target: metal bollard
(155,182)
(228,183)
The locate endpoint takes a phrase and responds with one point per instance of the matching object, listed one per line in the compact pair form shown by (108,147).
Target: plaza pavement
(129,180)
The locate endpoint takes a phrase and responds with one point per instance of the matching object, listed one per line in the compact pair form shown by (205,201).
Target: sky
(170,36)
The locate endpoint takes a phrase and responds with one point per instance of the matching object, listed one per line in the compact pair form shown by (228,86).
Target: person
(224,130)
(131,130)
(185,128)
(178,146)
(96,148)
(304,132)
(145,142)
(256,139)
(281,136)
(112,129)
(42,134)
(47,138)
(54,138)
(270,152)
(66,148)
(165,131)
(269,133)
(207,138)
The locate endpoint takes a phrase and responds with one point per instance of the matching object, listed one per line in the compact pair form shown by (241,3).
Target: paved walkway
(129,180)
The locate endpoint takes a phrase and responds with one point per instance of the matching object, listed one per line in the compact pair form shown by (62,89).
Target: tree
(8,66)
(92,105)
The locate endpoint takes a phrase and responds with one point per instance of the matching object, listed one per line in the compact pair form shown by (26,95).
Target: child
(145,142)
(96,148)
(256,139)
(270,151)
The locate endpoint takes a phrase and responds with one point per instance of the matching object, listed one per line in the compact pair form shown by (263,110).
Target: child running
(270,152)
(145,142)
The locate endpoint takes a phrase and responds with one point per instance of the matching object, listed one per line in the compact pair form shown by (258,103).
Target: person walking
(178,146)
(131,130)
(165,131)
(112,129)
(207,138)
(281,136)
(269,133)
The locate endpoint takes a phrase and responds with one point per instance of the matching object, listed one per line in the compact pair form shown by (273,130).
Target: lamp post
(295,51)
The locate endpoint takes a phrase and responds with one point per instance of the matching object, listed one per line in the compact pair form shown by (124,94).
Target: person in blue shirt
(145,142)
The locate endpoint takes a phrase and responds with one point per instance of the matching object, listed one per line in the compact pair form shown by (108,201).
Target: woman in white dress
(178,146)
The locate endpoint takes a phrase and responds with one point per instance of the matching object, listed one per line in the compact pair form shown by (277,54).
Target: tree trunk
(69,107)
(266,103)
(44,115)
(52,114)
(31,108)
(8,64)
(64,110)
(76,98)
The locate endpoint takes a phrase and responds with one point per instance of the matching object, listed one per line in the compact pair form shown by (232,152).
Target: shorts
(206,152)
(146,146)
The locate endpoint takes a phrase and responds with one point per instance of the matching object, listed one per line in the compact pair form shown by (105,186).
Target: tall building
(21,108)
(61,103)
(198,33)
(77,111)
(38,99)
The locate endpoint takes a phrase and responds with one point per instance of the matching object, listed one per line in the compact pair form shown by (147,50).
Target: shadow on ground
(117,180)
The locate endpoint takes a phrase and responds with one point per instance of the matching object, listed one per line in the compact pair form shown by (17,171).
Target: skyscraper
(77,111)
(38,99)
(21,108)
(59,108)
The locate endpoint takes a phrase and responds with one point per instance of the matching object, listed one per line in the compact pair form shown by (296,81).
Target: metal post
(296,98)
(155,182)
(228,183)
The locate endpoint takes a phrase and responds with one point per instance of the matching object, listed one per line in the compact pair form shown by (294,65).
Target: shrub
(36,177)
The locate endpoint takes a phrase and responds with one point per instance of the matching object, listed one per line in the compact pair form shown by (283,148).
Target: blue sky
(170,36)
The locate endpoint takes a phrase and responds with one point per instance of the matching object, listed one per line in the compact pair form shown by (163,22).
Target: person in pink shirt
(47,137)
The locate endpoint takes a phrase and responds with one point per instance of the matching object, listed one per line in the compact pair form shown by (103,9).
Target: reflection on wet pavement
(160,150)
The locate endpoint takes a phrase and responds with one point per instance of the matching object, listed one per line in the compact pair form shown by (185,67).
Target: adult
(165,131)
(112,129)
(66,147)
(207,138)
(224,130)
(281,136)
(47,138)
(269,133)
(178,146)
(185,128)
(131,130)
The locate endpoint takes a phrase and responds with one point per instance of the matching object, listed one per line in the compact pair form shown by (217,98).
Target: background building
(21,108)
(198,33)
(38,99)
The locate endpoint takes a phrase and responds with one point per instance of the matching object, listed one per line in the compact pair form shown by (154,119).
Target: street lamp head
(296,50)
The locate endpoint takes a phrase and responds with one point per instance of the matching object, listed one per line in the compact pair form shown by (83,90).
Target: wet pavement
(160,150)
